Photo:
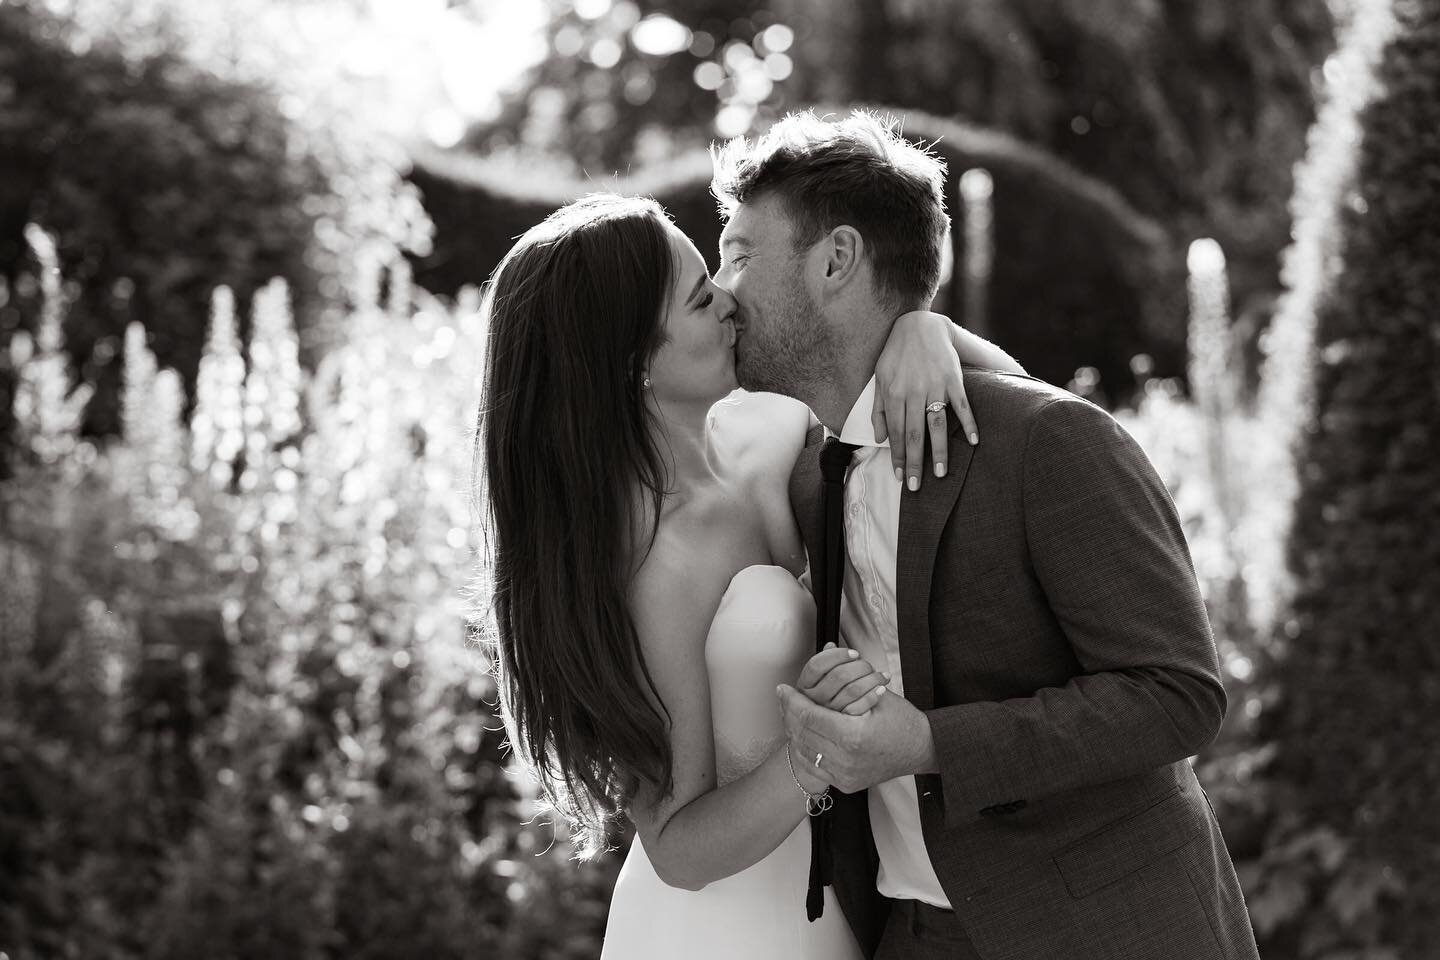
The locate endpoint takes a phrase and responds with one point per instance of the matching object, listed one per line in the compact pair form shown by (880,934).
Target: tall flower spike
(47,409)
(136,417)
(218,426)
(272,385)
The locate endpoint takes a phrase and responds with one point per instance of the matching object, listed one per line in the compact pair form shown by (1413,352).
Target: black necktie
(827,580)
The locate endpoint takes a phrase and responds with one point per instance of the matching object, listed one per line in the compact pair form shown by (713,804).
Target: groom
(1022,790)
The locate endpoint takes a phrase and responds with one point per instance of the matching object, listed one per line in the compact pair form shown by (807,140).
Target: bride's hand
(840,679)
(918,367)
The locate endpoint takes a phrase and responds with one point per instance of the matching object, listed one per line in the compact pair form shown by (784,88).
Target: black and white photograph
(719,479)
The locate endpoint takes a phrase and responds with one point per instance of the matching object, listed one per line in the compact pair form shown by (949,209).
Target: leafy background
(241,251)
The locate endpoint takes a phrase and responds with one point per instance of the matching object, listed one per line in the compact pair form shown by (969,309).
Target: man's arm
(1109,552)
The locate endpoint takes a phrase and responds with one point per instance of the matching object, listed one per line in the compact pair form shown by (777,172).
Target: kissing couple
(864,684)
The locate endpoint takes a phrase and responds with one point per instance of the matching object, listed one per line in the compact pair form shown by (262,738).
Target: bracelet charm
(815,803)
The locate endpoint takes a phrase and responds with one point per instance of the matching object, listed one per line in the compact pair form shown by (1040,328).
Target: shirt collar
(858,429)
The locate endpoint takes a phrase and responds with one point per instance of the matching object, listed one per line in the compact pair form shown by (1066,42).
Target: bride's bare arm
(699,832)
(919,365)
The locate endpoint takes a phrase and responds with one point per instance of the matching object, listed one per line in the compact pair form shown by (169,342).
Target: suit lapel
(923,515)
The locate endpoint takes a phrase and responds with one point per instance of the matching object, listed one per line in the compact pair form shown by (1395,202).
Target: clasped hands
(841,711)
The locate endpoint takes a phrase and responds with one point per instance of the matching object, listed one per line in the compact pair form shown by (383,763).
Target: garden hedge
(1356,728)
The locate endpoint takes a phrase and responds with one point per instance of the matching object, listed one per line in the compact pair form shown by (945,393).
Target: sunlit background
(242,253)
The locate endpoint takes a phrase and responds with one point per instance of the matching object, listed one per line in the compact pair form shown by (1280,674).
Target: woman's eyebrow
(696,289)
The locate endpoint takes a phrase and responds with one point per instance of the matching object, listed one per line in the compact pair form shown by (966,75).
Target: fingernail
(939,469)
(880,689)
(974,439)
(914,484)
(885,675)
(830,645)
(853,654)
(780,690)
(899,475)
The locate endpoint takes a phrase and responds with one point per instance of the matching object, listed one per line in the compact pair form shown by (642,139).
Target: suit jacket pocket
(1120,848)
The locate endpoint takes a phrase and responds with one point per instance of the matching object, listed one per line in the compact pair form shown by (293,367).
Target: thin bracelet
(815,803)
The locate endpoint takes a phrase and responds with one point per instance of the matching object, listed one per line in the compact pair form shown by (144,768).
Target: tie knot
(834,458)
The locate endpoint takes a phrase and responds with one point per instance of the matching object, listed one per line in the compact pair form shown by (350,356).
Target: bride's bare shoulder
(765,429)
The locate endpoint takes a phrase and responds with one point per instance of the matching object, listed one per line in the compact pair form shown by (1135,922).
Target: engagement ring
(935,407)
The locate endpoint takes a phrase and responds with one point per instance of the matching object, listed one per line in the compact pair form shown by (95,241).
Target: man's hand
(842,680)
(892,740)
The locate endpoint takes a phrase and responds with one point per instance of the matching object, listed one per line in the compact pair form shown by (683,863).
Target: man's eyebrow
(733,241)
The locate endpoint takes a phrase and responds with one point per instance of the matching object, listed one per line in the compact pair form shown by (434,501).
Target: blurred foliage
(171,153)
(1361,674)
(1196,113)
(239,714)
(1114,287)
(1324,776)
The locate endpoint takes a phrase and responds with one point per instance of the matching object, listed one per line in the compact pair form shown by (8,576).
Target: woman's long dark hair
(571,482)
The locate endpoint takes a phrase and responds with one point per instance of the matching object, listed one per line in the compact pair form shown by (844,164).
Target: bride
(648,588)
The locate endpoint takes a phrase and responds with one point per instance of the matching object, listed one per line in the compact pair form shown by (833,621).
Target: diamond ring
(936,406)
(818,758)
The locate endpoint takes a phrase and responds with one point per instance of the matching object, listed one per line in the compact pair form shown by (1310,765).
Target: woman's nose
(728,304)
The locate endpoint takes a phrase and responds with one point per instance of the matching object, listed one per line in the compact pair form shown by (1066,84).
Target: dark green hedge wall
(1079,276)
(1357,726)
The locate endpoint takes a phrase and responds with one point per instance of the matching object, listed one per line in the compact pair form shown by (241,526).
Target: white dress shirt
(868,623)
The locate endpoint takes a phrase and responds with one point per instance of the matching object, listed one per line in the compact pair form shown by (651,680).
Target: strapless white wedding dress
(762,634)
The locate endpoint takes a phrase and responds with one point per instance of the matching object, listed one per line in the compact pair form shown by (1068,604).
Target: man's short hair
(857,171)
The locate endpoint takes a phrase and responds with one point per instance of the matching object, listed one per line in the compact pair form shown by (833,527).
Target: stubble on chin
(757,376)
(792,367)
(795,353)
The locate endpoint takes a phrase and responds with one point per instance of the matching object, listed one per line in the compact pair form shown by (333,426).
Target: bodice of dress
(762,634)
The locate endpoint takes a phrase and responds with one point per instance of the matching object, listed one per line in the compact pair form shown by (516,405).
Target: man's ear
(844,250)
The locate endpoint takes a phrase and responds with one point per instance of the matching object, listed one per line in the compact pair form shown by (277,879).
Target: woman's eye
(705,301)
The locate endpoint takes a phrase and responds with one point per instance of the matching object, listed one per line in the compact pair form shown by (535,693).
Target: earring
(645,384)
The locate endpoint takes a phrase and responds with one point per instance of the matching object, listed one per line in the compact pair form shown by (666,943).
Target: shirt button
(854,509)
(875,600)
